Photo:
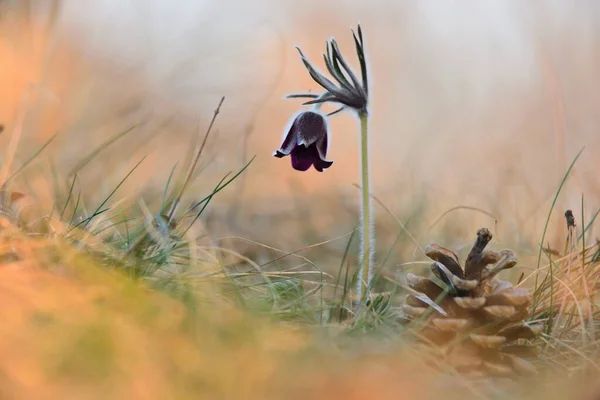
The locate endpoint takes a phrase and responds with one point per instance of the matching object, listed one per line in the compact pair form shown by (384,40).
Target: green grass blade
(29,160)
(582,235)
(345,293)
(62,213)
(75,209)
(86,221)
(164,196)
(589,225)
(550,321)
(344,256)
(562,183)
(192,168)
(217,189)
(87,159)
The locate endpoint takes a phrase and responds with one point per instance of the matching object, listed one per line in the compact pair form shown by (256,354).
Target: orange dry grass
(73,330)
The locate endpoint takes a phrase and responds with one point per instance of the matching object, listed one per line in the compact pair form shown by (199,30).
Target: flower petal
(289,142)
(311,127)
(304,157)
(321,165)
(322,147)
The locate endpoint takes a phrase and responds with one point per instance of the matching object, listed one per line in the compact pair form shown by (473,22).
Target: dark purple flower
(306,142)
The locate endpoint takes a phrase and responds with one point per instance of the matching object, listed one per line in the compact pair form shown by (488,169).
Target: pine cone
(475,318)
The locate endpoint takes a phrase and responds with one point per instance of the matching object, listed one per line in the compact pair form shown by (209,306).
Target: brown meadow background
(482,105)
(476,104)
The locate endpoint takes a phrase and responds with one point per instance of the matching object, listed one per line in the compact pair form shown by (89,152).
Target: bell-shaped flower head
(306,142)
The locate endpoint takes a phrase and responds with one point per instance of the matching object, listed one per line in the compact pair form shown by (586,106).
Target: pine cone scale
(476,318)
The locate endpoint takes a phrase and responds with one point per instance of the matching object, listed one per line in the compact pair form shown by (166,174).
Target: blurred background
(474,104)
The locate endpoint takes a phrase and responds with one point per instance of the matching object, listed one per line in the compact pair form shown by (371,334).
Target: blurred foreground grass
(73,329)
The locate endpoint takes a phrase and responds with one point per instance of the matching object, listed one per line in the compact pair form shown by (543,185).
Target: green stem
(367,241)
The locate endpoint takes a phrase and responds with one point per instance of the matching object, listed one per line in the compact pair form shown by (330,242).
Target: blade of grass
(391,249)
(62,213)
(295,252)
(573,349)
(584,277)
(112,225)
(127,237)
(165,192)
(86,160)
(194,164)
(438,219)
(56,189)
(583,232)
(29,160)
(344,256)
(550,320)
(217,189)
(562,183)
(75,209)
(86,221)
(345,293)
(588,226)
(15,137)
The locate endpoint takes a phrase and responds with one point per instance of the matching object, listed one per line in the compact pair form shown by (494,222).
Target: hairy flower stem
(367,237)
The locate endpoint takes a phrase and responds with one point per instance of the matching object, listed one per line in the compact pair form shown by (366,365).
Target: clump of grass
(156,243)
(567,303)
(163,245)
(565,294)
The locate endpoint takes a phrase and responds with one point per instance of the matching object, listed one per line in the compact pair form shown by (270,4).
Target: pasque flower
(306,142)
